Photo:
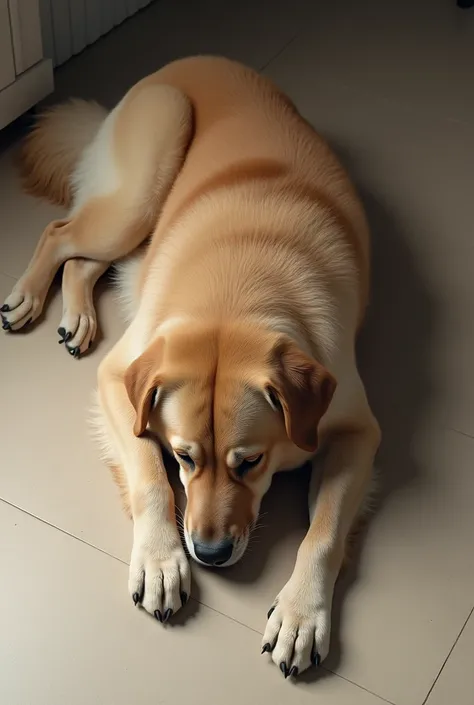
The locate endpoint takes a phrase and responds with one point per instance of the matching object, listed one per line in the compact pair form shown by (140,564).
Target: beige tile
(71,635)
(456,682)
(50,465)
(418,54)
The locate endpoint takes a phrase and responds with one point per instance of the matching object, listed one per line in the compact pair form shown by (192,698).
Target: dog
(243,256)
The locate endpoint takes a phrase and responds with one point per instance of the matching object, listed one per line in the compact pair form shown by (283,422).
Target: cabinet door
(26,33)
(7,65)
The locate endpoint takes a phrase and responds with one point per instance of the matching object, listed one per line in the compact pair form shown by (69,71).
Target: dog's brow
(234,458)
(178,443)
(237,455)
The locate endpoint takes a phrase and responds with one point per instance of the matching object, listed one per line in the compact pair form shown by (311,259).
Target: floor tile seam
(60,529)
(9,276)
(279,52)
(361,687)
(465,434)
(110,555)
(406,106)
(448,656)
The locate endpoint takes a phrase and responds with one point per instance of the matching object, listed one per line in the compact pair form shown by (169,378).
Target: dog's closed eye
(187,460)
(248,464)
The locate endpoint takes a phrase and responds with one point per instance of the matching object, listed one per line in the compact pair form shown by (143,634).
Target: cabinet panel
(26,33)
(32,86)
(7,65)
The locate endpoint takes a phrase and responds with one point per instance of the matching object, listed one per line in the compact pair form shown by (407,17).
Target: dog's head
(234,404)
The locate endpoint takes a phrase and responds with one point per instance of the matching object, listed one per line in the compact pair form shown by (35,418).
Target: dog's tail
(51,152)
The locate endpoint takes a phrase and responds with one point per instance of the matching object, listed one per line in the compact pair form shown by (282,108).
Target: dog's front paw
(298,628)
(160,576)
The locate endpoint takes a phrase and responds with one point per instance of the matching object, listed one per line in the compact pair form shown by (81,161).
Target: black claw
(5,324)
(64,335)
(75,352)
(293,672)
(315,659)
(67,337)
(167,615)
(270,612)
(158,616)
(266,647)
(184,598)
(136,598)
(284,669)
(28,322)
(5,308)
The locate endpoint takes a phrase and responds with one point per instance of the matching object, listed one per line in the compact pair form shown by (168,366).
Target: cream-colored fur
(242,264)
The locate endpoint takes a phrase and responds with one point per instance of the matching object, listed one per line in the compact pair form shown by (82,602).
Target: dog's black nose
(214,553)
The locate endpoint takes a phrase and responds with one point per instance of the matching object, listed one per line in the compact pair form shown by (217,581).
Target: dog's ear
(303,388)
(142,381)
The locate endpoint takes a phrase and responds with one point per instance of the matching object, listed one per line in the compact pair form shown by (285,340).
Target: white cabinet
(25,76)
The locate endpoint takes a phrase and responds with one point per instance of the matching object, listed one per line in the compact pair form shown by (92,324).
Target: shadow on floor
(393,350)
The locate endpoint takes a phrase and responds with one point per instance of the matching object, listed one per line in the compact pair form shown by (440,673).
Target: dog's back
(245,128)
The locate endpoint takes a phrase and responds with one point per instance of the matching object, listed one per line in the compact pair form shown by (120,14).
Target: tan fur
(51,152)
(247,303)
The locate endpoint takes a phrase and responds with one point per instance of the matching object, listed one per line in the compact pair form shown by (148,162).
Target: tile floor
(391,86)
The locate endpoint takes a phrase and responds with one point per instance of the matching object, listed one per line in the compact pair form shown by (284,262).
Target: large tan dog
(244,308)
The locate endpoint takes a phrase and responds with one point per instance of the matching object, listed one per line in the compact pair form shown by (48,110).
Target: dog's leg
(95,233)
(160,578)
(122,184)
(299,624)
(78,324)
(26,300)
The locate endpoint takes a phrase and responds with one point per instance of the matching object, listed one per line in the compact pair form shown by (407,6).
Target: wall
(68,26)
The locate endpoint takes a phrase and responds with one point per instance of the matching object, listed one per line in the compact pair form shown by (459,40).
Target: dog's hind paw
(77,331)
(20,309)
